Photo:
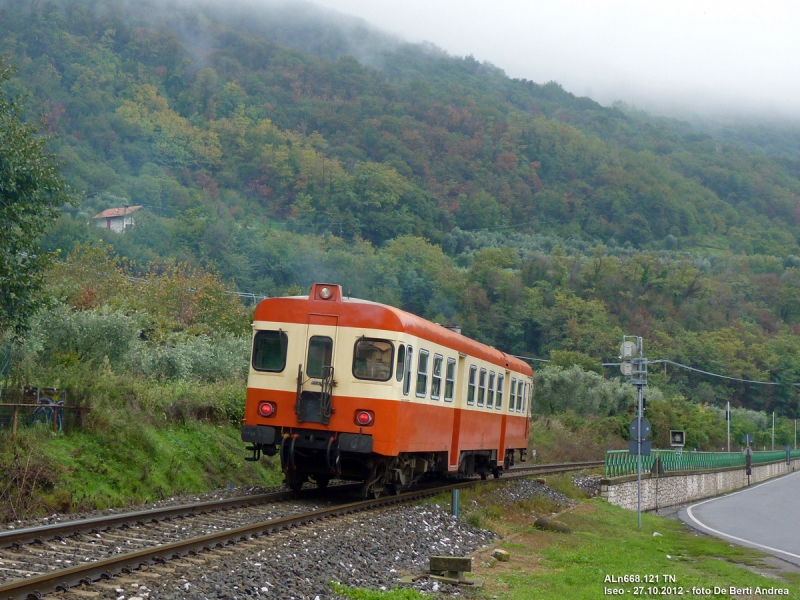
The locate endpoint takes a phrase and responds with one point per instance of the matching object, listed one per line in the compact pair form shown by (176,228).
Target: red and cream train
(358,390)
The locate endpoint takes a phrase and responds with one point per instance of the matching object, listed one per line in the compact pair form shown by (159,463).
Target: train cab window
(471,387)
(525,397)
(372,359)
(407,378)
(450,380)
(401,362)
(422,374)
(320,352)
(269,351)
(482,387)
(436,377)
(513,398)
(490,391)
(500,380)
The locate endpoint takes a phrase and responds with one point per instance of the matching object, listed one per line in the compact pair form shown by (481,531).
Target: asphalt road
(764,516)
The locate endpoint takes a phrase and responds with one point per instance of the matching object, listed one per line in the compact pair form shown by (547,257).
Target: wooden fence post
(14,423)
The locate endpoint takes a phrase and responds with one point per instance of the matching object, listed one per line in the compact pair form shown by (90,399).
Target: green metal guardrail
(620,462)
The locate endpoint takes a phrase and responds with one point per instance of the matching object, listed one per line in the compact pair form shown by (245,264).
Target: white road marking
(733,537)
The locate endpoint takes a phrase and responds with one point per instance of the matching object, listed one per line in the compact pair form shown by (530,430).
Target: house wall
(116,224)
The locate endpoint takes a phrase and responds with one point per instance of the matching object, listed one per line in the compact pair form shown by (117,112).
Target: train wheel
(295,481)
(496,473)
(377,482)
(322,481)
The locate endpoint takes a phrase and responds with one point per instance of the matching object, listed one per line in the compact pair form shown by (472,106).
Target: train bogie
(357,390)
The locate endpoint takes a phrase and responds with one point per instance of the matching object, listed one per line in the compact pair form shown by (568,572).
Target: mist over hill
(281,144)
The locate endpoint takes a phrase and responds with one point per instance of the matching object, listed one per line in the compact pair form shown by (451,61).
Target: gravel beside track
(235,492)
(51,555)
(371,549)
(588,483)
(525,489)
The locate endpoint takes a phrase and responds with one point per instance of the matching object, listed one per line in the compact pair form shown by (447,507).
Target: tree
(31,190)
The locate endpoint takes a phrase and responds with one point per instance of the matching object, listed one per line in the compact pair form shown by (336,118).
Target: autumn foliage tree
(31,190)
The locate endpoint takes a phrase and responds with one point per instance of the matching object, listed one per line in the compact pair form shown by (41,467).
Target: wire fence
(621,462)
(38,407)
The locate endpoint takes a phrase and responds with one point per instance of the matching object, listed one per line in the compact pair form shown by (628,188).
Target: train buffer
(447,569)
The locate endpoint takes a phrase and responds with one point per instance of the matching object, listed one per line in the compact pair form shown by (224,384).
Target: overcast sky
(663,55)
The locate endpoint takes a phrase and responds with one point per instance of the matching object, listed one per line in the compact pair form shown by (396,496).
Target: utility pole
(795,434)
(773,430)
(635,368)
(728,419)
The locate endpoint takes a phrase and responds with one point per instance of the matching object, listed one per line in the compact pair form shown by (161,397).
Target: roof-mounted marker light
(325,293)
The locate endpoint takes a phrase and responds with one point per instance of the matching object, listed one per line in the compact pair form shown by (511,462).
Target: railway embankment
(660,490)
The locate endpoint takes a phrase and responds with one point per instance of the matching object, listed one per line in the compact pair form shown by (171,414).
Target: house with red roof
(117,219)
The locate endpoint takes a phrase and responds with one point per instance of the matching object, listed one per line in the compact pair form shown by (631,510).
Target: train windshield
(320,352)
(372,359)
(269,351)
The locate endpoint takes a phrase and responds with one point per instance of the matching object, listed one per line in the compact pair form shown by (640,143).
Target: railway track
(34,562)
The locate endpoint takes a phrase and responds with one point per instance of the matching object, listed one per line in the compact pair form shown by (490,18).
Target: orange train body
(358,390)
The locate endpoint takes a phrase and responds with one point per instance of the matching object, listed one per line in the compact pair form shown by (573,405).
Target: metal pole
(639,443)
(773,430)
(795,434)
(728,418)
(454,502)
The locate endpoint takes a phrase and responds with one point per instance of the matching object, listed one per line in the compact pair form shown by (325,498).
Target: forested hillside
(280,146)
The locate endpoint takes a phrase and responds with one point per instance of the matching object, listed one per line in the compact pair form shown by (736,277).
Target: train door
(455,452)
(315,377)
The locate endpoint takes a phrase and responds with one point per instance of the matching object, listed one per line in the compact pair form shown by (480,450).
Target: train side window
(422,373)
(471,387)
(407,382)
(520,396)
(372,359)
(490,391)
(450,380)
(525,397)
(436,376)
(401,362)
(269,351)
(500,380)
(481,387)
(513,397)
(320,351)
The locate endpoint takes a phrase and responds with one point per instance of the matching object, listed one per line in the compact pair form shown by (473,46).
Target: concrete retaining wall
(680,487)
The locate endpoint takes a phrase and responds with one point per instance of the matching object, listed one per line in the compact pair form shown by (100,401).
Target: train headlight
(365,418)
(267,409)
(325,293)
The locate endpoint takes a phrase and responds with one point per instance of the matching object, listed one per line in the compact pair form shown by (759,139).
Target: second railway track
(37,563)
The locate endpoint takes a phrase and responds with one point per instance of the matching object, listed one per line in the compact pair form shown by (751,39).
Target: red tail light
(267,409)
(365,418)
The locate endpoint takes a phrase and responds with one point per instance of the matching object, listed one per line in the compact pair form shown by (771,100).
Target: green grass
(130,463)
(364,594)
(605,541)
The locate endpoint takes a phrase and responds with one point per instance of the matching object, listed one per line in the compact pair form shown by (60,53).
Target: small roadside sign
(677,438)
(633,448)
(634,429)
(748,439)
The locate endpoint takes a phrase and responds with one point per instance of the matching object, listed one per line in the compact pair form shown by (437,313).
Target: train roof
(327,299)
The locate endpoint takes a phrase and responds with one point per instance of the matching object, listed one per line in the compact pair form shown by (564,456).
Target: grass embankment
(604,542)
(570,438)
(141,442)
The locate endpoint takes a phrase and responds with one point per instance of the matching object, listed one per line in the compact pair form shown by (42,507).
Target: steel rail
(64,579)
(17,537)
